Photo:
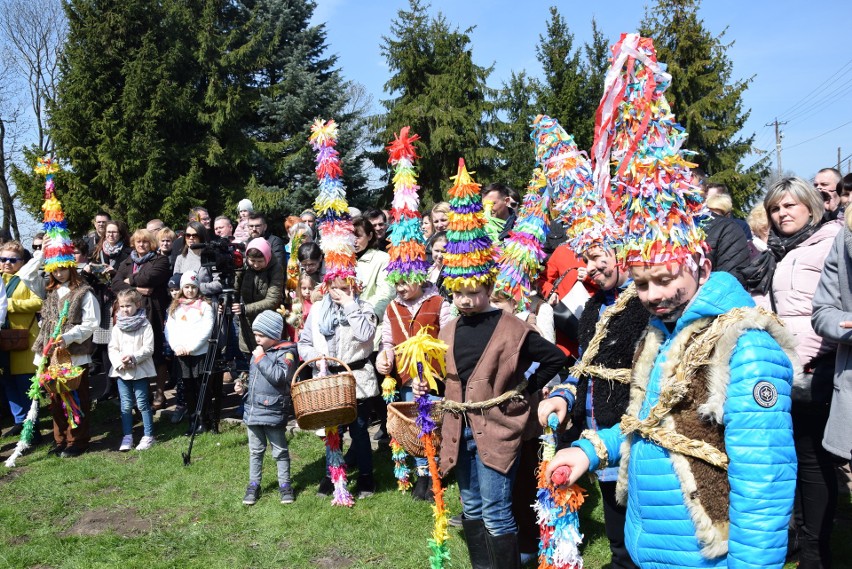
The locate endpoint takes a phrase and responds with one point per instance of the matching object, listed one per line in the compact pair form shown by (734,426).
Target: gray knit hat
(269,323)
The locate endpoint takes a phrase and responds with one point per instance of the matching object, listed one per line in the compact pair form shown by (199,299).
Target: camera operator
(261,287)
(195,242)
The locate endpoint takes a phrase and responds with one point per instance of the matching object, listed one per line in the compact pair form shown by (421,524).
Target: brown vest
(404,326)
(50,315)
(498,431)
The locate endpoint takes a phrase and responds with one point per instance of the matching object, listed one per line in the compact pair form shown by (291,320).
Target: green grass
(146,510)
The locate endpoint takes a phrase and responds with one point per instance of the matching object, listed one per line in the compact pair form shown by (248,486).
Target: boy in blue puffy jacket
(273,362)
(707,466)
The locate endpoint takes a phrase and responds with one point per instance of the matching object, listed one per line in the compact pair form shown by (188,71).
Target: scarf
(758,275)
(137,260)
(112,250)
(331,316)
(131,323)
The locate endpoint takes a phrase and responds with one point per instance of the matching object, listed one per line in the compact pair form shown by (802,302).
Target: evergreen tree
(441,93)
(167,105)
(703,96)
(516,103)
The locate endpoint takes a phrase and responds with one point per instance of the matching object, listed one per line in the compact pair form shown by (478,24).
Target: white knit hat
(245,205)
(189,278)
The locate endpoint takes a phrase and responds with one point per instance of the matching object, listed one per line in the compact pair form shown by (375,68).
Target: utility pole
(778,136)
(838,159)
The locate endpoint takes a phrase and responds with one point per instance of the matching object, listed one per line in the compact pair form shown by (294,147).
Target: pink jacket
(794,283)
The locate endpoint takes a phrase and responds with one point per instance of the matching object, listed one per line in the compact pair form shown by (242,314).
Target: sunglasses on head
(12,260)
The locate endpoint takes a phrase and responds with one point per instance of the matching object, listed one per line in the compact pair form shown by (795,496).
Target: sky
(801,67)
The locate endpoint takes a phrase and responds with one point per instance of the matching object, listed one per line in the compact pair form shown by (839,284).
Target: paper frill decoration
(653,187)
(333,219)
(577,202)
(469,257)
(407,247)
(556,510)
(338,245)
(60,252)
(521,257)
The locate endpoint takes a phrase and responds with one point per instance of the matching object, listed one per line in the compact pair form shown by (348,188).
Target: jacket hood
(721,293)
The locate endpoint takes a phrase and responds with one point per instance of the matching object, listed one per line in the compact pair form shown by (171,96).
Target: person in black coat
(729,251)
(149,273)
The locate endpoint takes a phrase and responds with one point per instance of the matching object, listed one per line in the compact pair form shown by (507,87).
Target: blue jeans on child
(128,389)
(258,436)
(486,494)
(422,463)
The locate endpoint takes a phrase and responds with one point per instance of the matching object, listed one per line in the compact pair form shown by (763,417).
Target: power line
(805,99)
(819,135)
(837,94)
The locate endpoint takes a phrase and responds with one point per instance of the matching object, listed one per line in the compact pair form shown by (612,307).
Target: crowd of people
(143,307)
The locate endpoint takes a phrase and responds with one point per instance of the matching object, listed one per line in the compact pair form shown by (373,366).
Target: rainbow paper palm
(60,252)
(469,258)
(653,186)
(407,245)
(522,255)
(333,219)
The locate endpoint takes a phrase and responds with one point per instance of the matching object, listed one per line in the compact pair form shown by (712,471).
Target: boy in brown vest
(488,353)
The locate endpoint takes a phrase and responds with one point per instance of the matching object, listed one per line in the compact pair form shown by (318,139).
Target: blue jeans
(486,494)
(361,447)
(128,389)
(16,387)
(258,436)
(422,463)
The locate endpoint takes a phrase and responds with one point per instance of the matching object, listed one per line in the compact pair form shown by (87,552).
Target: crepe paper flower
(401,470)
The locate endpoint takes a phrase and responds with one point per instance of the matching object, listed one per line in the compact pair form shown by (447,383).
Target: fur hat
(245,205)
(269,323)
(189,278)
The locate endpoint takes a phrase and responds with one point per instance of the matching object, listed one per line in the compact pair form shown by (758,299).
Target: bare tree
(10,115)
(34,32)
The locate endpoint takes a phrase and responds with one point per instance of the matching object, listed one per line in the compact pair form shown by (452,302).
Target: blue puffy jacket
(268,385)
(659,532)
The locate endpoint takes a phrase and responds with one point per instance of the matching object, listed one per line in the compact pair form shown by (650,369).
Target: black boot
(421,487)
(476,537)
(504,551)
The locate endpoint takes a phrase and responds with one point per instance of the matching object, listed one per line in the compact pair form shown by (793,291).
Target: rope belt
(675,442)
(458,408)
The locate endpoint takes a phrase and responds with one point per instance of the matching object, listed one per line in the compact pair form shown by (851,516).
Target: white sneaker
(126,443)
(145,443)
(320,432)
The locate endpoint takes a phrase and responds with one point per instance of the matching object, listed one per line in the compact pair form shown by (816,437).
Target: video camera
(223,257)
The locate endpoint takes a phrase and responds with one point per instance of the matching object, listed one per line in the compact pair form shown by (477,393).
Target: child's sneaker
(126,443)
(252,494)
(145,443)
(286,493)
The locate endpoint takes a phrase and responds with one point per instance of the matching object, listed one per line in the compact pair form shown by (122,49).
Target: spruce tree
(167,105)
(439,91)
(516,151)
(705,98)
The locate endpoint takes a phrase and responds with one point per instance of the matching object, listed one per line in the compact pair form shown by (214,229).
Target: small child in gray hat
(272,365)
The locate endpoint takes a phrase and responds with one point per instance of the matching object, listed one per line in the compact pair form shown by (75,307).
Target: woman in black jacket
(149,273)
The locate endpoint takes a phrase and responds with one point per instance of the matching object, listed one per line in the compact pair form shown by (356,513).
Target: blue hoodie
(659,532)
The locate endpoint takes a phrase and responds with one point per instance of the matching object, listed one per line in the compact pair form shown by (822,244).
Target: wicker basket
(402,426)
(61,358)
(324,401)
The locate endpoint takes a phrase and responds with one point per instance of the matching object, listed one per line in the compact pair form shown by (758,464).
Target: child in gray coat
(273,362)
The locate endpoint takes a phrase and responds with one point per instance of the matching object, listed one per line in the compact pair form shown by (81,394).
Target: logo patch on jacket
(765,394)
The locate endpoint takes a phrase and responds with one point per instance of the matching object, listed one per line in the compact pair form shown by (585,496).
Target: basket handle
(309,362)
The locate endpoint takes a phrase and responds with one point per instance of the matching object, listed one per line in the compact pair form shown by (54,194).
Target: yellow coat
(23,306)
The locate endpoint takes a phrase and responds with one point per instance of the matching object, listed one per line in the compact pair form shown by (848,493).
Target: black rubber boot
(476,537)
(504,551)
